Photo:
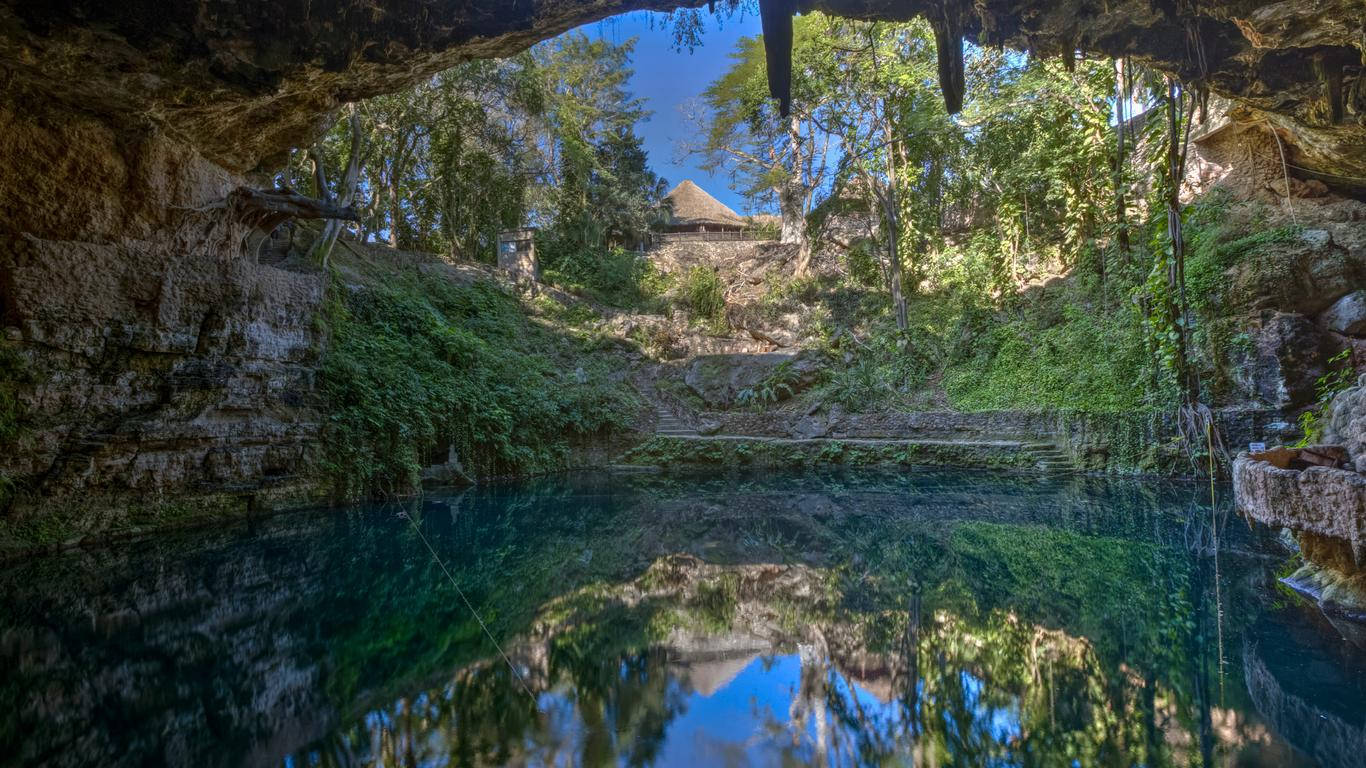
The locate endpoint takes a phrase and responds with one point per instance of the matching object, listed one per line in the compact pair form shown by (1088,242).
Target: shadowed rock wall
(160,357)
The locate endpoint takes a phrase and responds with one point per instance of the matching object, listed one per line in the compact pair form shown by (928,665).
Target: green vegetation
(614,277)
(1339,378)
(13,373)
(1002,264)
(421,365)
(705,295)
(991,260)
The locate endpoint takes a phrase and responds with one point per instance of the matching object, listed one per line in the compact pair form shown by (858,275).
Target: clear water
(919,617)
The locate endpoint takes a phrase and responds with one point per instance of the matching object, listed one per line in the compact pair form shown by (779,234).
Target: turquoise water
(921,617)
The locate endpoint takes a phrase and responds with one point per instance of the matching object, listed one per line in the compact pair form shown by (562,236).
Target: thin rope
(1214,532)
(1284,171)
(516,672)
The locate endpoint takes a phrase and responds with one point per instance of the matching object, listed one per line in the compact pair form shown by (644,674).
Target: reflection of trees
(978,644)
(603,712)
(1067,609)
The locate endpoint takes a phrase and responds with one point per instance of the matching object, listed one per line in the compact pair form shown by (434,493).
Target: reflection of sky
(999,725)
(749,722)
(737,721)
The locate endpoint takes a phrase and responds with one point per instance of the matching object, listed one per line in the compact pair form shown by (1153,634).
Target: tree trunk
(1176,274)
(792,200)
(791,197)
(322,248)
(894,226)
(395,210)
(1121,204)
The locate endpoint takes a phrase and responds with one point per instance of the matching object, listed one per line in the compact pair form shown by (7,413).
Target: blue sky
(667,78)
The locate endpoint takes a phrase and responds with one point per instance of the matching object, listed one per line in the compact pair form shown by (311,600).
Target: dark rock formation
(161,357)
(1289,356)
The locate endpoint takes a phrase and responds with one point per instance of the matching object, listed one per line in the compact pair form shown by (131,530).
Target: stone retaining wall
(1318,500)
(1122,442)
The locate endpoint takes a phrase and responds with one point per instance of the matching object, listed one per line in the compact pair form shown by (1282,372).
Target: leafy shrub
(885,369)
(419,364)
(779,384)
(1088,362)
(613,276)
(706,297)
(1337,380)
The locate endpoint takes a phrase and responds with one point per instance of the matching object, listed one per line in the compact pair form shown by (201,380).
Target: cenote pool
(917,617)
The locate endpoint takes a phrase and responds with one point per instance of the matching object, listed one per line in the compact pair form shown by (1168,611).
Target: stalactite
(948,42)
(1329,75)
(775,17)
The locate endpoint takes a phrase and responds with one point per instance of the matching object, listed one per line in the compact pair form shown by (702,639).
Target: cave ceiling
(244,80)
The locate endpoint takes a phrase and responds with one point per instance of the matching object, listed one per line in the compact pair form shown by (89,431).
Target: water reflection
(926,618)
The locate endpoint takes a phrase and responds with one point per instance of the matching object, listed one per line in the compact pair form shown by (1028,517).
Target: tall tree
(770,158)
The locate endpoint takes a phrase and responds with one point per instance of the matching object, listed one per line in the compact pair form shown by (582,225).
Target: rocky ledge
(1319,500)
(1325,506)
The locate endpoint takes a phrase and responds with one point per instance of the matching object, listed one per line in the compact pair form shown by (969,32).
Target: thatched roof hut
(696,211)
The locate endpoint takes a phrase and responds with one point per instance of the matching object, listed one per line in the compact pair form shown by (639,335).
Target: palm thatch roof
(691,205)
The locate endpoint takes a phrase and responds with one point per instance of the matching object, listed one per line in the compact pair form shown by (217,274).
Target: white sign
(1256,447)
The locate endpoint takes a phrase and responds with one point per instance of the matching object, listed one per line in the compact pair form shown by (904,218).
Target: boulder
(1347,423)
(719,379)
(1347,315)
(810,427)
(1304,276)
(1319,500)
(1290,354)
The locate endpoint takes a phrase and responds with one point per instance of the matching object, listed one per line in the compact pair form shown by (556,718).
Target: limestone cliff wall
(159,358)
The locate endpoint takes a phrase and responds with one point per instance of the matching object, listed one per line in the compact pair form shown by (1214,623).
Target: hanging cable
(515,672)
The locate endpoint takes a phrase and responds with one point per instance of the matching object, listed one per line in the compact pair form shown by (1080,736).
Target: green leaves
(419,366)
(706,296)
(1338,379)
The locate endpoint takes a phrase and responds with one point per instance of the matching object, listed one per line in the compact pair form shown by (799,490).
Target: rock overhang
(244,80)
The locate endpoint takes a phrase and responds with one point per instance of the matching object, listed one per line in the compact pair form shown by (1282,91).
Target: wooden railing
(660,238)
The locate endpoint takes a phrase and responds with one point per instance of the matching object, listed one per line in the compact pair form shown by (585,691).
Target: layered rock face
(159,356)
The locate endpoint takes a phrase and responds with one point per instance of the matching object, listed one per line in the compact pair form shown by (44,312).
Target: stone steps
(670,425)
(1050,457)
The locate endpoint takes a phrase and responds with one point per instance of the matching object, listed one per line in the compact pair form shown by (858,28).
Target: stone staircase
(1050,458)
(670,425)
